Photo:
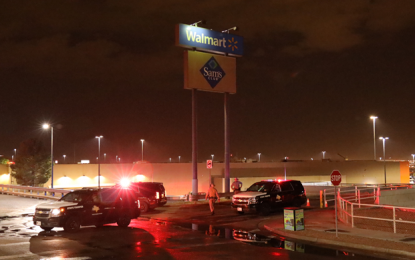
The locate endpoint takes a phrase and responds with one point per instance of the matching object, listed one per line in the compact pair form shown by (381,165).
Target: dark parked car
(88,207)
(150,194)
(266,196)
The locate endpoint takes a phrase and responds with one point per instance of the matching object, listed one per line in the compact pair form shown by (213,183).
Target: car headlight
(253,200)
(56,212)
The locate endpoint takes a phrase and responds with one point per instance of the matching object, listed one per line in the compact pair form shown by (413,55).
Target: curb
(339,243)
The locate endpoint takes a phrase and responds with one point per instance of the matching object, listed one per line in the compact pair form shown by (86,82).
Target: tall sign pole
(227,144)
(336,179)
(206,71)
(194,145)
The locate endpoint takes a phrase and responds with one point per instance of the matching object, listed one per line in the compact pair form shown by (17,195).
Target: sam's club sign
(212,41)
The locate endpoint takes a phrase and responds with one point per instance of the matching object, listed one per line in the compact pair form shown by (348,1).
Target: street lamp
(116,158)
(413,155)
(179,158)
(324,153)
(169,159)
(15,151)
(105,157)
(374,135)
(47,126)
(212,156)
(384,157)
(64,158)
(99,160)
(259,157)
(142,149)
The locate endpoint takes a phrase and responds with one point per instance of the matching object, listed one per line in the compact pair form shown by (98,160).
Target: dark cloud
(310,69)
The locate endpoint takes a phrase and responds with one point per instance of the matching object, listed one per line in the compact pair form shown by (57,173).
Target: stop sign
(336,178)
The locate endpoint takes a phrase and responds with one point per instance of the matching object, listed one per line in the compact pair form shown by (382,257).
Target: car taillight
(157,195)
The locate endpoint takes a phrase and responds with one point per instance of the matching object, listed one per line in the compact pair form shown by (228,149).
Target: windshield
(74,197)
(261,186)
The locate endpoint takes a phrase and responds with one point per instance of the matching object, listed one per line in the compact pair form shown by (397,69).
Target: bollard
(321,199)
(355,192)
(358,194)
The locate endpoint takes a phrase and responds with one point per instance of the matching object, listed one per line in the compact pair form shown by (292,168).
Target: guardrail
(373,216)
(33,192)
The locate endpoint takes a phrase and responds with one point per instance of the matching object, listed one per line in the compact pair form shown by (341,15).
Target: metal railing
(394,219)
(33,192)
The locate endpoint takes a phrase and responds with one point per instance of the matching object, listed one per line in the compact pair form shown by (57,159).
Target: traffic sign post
(209,165)
(336,179)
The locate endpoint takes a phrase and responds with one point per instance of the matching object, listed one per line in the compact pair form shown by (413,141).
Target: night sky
(312,74)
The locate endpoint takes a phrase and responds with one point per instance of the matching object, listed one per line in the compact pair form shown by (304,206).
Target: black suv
(150,194)
(88,207)
(265,196)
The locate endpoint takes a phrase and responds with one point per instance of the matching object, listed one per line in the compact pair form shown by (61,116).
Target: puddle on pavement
(255,239)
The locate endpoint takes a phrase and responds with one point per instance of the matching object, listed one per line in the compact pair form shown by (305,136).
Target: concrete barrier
(399,197)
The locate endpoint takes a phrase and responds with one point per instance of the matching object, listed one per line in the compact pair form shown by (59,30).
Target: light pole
(413,155)
(324,154)
(99,160)
(212,156)
(179,158)
(12,157)
(259,157)
(15,152)
(105,157)
(47,126)
(384,157)
(142,149)
(64,158)
(374,136)
(116,158)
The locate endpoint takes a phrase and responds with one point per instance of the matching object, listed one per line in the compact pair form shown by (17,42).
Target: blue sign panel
(208,40)
(212,72)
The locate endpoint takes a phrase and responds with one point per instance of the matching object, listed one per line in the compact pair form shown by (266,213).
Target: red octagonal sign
(336,178)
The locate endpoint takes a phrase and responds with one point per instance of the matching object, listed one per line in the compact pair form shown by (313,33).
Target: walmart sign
(208,40)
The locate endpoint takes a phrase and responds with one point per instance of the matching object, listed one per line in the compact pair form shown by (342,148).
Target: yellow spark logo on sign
(233,44)
(95,208)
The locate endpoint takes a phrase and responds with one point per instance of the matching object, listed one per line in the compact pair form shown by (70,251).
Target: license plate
(239,209)
(38,223)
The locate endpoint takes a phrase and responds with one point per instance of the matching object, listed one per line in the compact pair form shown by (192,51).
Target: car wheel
(72,224)
(144,207)
(241,212)
(297,202)
(46,228)
(123,220)
(265,209)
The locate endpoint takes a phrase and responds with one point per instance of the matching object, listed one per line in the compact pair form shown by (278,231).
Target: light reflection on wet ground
(23,227)
(256,239)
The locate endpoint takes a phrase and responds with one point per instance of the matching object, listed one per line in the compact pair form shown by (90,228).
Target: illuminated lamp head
(124,182)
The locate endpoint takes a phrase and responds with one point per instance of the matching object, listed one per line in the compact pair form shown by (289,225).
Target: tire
(46,228)
(241,212)
(297,202)
(144,207)
(72,224)
(265,209)
(123,220)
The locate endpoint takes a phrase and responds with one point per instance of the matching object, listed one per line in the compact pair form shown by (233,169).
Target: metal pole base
(194,196)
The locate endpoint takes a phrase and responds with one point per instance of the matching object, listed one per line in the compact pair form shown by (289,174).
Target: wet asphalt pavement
(186,232)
